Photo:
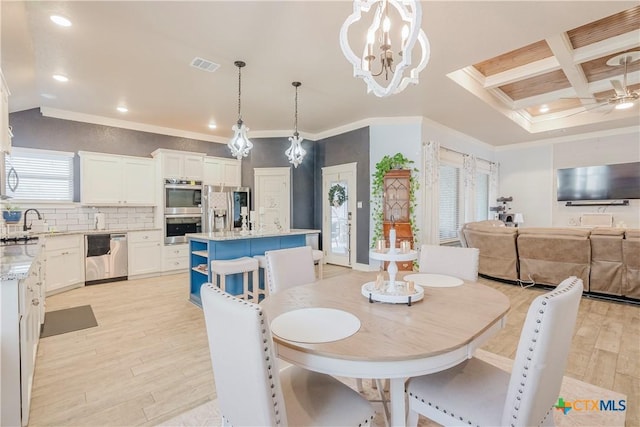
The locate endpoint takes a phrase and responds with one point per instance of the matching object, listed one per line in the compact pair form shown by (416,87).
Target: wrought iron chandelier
(379,37)
(240,144)
(295,153)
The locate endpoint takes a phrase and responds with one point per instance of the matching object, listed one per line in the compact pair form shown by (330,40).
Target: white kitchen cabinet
(145,252)
(5,129)
(222,171)
(179,164)
(113,180)
(64,265)
(175,257)
(20,331)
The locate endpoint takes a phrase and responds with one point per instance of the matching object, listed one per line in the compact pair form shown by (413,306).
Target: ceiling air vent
(204,65)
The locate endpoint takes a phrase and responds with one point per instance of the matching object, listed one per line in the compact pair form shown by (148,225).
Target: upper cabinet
(112,180)
(180,164)
(5,129)
(222,171)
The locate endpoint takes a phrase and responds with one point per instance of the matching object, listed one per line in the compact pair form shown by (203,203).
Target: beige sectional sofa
(606,259)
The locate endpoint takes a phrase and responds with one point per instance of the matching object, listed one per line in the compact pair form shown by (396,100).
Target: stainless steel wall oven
(176,226)
(182,210)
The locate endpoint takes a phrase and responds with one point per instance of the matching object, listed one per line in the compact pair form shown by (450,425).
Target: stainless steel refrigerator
(222,206)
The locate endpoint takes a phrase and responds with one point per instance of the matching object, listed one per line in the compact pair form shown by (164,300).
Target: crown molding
(124,124)
(569,138)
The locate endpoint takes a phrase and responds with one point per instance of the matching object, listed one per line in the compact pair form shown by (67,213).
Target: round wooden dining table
(394,341)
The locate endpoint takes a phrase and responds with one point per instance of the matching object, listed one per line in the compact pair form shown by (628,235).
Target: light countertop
(235,235)
(16,260)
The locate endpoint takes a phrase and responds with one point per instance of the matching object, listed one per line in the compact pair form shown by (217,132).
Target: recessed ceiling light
(544,108)
(212,125)
(122,109)
(48,96)
(60,20)
(60,78)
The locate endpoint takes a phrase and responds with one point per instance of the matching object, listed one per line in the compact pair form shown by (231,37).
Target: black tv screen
(608,182)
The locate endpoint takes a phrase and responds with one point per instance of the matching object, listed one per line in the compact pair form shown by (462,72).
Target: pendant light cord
(296,114)
(239,91)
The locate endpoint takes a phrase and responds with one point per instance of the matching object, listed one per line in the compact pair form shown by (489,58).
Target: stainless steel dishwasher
(106,258)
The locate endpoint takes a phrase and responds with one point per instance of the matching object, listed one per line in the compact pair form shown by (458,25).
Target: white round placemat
(315,325)
(434,280)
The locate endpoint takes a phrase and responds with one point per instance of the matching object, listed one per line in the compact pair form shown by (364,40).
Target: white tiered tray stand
(392,291)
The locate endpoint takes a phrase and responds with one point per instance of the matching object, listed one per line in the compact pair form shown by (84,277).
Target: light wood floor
(148,360)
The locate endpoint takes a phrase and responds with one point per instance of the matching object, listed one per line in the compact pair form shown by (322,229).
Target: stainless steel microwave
(182,197)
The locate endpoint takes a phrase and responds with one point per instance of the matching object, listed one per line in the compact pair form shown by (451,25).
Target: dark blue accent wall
(347,148)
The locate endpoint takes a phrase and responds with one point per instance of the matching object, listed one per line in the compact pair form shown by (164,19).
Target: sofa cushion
(497,245)
(550,255)
(607,269)
(607,231)
(631,259)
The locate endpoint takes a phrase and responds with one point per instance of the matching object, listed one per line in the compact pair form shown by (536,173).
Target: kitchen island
(206,247)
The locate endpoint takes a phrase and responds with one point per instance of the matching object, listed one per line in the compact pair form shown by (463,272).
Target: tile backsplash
(82,218)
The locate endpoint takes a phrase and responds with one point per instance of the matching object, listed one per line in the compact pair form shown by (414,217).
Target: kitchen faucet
(24,227)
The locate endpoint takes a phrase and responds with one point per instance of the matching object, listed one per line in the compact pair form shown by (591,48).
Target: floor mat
(68,320)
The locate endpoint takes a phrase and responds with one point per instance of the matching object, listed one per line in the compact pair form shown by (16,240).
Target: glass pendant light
(240,144)
(295,153)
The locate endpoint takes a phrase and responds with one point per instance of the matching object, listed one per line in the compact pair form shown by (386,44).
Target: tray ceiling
(548,84)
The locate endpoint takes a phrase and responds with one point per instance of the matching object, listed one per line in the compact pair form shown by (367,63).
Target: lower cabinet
(175,257)
(145,252)
(64,265)
(21,303)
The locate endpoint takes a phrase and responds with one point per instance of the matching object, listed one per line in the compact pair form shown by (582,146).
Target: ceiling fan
(624,97)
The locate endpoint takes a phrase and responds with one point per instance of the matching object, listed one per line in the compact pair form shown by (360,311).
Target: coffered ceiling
(564,79)
(493,64)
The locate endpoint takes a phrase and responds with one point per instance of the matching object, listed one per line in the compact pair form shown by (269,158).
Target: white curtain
(469,180)
(431,220)
(494,178)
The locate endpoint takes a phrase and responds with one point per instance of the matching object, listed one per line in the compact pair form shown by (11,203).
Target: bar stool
(318,256)
(243,265)
(262,263)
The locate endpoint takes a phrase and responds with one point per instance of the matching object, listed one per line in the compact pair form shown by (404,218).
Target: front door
(339,214)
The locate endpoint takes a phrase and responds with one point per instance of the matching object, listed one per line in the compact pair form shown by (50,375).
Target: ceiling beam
(561,47)
(522,72)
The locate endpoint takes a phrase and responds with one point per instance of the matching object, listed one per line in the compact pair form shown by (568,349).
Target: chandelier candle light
(240,144)
(379,37)
(295,153)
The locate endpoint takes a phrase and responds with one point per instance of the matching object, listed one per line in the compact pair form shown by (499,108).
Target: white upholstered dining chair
(450,260)
(480,394)
(290,267)
(252,391)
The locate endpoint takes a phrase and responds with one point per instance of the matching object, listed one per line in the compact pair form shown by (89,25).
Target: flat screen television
(608,182)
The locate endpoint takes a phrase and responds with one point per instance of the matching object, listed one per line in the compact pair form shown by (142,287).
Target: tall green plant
(387,163)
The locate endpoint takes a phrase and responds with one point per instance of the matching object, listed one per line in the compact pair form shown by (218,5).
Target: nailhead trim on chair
(443,410)
(534,339)
(516,408)
(265,341)
(270,370)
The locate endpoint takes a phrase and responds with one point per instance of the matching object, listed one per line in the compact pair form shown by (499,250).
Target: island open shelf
(206,247)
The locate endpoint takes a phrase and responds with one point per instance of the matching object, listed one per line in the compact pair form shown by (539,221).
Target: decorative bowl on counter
(11,217)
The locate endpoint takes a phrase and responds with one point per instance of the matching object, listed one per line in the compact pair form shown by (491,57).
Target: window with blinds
(450,209)
(42,174)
